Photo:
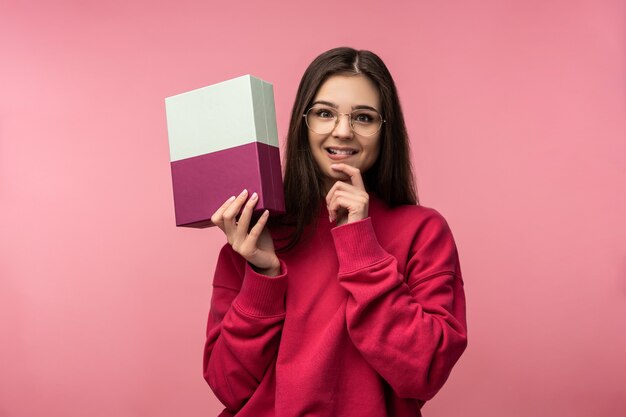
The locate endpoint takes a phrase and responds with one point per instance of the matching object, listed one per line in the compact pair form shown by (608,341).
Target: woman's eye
(363,118)
(324,114)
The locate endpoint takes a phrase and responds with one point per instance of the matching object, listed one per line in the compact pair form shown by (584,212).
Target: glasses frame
(349,119)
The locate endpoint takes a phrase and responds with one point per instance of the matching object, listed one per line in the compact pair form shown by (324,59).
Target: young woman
(351,304)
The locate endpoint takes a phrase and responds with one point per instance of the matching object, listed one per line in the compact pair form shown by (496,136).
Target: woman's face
(345,93)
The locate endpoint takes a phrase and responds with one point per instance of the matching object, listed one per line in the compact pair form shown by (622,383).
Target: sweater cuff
(262,296)
(357,246)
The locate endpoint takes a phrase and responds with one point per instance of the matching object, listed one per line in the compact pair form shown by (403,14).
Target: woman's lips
(338,154)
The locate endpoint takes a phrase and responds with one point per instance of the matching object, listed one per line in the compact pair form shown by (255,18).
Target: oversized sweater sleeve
(411,329)
(243,329)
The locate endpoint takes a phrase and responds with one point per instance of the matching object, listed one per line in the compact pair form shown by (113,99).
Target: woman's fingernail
(244,192)
(231,198)
(254,196)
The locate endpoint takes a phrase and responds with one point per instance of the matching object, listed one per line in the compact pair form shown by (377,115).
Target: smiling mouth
(333,151)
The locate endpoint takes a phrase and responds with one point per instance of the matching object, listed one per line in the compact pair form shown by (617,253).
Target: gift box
(222,139)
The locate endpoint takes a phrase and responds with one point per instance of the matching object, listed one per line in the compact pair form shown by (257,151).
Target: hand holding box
(222,139)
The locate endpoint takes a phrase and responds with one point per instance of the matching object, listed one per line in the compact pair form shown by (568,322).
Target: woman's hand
(347,202)
(255,245)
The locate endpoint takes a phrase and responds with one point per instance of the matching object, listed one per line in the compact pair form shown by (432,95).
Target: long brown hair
(390,178)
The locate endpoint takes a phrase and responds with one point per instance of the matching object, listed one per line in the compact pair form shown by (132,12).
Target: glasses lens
(321,119)
(366,122)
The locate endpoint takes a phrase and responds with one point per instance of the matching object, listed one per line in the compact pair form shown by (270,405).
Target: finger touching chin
(339,167)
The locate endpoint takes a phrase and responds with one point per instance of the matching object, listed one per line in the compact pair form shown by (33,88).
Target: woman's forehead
(347,91)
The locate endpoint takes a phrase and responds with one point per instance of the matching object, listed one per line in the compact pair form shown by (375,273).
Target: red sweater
(366,319)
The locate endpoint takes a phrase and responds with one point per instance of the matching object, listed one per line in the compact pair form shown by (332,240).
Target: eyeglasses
(323,120)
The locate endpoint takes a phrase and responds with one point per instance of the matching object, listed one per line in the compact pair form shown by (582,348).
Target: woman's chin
(341,177)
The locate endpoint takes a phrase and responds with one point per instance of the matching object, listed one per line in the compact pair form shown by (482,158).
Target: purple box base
(202,183)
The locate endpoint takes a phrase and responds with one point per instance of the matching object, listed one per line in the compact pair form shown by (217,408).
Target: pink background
(516,110)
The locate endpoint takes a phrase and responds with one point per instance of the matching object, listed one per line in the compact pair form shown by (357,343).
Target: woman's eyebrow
(363,106)
(326,103)
(334,106)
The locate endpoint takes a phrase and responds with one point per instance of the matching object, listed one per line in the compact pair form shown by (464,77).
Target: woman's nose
(343,128)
